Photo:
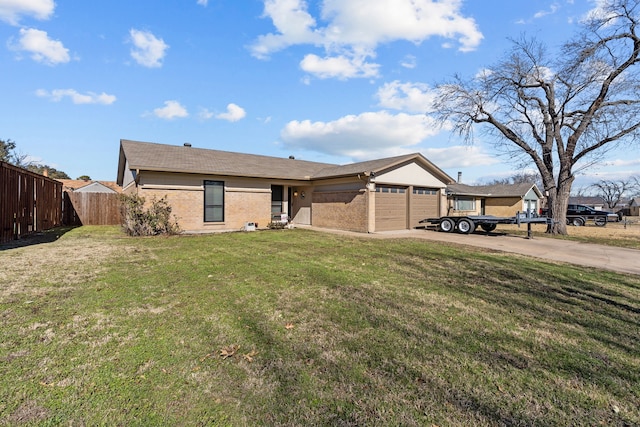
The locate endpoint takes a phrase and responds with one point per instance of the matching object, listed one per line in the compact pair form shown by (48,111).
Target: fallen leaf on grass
(249,356)
(289,326)
(229,351)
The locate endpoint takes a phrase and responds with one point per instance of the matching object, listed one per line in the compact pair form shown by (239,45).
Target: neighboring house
(81,186)
(634,207)
(211,190)
(497,200)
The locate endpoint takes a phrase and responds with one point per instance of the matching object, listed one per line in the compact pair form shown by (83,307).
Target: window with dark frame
(214,201)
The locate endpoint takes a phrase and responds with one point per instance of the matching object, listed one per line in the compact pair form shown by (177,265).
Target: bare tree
(560,111)
(9,154)
(612,192)
(523,177)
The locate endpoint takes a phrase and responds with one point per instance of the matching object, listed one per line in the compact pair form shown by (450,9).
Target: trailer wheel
(600,221)
(488,227)
(577,222)
(466,226)
(446,225)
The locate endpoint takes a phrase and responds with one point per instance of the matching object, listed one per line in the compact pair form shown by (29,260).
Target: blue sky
(334,81)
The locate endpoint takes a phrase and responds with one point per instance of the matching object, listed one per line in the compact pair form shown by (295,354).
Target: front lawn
(296,327)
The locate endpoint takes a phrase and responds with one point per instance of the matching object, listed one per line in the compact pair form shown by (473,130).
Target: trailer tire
(466,226)
(600,221)
(577,222)
(446,225)
(488,227)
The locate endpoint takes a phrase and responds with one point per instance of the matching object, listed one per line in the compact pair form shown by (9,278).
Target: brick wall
(246,200)
(343,210)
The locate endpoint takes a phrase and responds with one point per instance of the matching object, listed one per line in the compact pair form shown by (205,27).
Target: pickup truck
(578,215)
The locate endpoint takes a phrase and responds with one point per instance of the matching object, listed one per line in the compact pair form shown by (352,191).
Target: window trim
(213,184)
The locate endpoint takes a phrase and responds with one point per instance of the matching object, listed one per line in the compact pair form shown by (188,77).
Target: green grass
(317,329)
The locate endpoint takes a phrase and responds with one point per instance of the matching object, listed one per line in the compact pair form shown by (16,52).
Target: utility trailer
(488,223)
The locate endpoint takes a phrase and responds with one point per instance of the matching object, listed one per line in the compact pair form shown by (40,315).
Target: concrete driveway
(599,256)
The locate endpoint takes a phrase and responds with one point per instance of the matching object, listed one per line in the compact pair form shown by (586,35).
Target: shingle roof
(171,158)
(497,190)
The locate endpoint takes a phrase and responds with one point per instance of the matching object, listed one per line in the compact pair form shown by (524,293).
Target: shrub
(152,221)
(277,225)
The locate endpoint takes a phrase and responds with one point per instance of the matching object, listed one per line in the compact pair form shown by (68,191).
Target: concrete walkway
(599,256)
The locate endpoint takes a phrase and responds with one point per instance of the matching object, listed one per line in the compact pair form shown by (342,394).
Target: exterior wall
(246,200)
(503,206)
(340,204)
(347,203)
(410,174)
(128,177)
(342,210)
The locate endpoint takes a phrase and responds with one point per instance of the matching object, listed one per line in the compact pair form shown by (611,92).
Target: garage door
(391,208)
(424,204)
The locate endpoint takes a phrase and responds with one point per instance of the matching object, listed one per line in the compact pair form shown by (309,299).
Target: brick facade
(245,200)
(343,210)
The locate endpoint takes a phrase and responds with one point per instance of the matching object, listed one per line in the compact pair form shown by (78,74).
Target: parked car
(578,215)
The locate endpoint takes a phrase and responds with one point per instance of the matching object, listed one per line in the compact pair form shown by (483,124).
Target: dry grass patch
(613,233)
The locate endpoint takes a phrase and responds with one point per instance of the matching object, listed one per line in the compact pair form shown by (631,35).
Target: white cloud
(205,114)
(623,162)
(362,136)
(409,61)
(233,114)
(41,47)
(12,10)
(171,110)
(460,156)
(203,2)
(293,23)
(410,97)
(148,50)
(340,67)
(552,9)
(355,28)
(76,97)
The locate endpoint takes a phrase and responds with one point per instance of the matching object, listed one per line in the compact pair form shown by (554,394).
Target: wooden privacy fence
(29,202)
(91,208)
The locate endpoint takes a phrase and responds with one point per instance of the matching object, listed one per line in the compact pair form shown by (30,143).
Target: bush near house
(141,220)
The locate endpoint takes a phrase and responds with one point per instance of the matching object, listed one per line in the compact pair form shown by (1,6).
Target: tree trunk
(558,203)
